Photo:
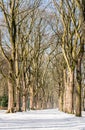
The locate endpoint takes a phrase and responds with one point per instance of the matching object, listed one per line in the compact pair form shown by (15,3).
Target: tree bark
(10,96)
(69,92)
(60,97)
(61,101)
(18,100)
(64,94)
(24,103)
(24,99)
(78,89)
(31,97)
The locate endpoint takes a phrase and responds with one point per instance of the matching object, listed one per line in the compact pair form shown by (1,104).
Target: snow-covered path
(41,120)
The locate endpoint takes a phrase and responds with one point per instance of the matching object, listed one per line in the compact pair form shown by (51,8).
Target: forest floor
(50,119)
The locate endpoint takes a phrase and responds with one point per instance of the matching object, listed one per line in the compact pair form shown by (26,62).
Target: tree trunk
(31,97)
(10,97)
(18,101)
(60,97)
(78,89)
(18,95)
(69,93)
(35,100)
(11,86)
(61,101)
(82,101)
(64,94)
(24,103)
(24,99)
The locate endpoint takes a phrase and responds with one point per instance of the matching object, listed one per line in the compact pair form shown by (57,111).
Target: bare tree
(12,10)
(72,48)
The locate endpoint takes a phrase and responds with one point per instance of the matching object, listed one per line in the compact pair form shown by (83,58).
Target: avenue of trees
(42,54)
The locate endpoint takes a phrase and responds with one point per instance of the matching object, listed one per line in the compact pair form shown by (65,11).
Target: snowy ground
(41,120)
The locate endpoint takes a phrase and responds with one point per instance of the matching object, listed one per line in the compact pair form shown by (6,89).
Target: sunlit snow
(50,119)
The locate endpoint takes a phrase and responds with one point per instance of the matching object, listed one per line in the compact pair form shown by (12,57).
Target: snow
(50,119)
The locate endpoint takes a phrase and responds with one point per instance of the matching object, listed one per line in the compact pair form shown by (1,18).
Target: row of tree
(24,43)
(42,54)
(72,18)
